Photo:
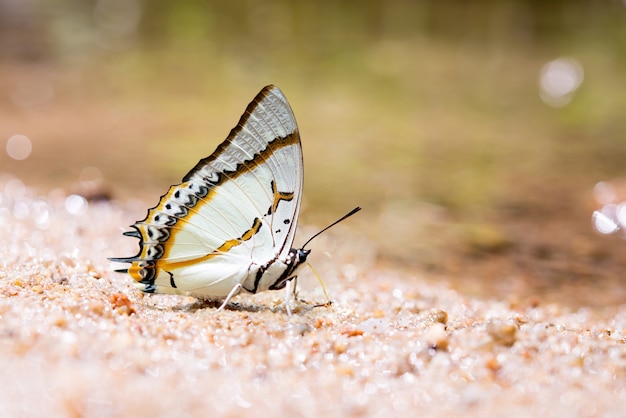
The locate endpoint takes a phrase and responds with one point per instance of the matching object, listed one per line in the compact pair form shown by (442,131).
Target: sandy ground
(76,340)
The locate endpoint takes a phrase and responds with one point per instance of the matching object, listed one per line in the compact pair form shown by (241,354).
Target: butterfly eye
(302,256)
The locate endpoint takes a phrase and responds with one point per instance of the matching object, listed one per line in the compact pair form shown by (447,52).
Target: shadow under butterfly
(229,226)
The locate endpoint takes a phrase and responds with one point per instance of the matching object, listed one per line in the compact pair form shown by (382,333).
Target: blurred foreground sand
(77,340)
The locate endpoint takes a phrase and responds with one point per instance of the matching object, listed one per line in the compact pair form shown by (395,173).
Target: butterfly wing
(236,210)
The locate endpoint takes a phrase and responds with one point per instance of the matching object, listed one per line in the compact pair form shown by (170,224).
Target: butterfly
(229,226)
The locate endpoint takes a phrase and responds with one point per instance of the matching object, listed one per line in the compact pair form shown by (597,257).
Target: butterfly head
(297,257)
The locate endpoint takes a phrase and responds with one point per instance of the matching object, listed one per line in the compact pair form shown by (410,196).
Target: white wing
(235,210)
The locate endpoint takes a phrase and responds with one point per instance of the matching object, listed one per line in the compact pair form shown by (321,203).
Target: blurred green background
(472,133)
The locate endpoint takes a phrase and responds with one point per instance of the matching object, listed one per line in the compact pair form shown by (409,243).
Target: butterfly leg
(234,292)
(295,288)
(289,294)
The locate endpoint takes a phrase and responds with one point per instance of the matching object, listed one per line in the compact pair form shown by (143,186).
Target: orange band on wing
(224,248)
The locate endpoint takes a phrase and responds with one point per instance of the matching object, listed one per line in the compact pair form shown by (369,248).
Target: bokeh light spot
(21,210)
(15,189)
(19,147)
(41,214)
(620,214)
(75,204)
(604,193)
(558,81)
(603,223)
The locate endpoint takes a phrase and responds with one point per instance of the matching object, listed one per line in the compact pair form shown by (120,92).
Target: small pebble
(437,336)
(502,332)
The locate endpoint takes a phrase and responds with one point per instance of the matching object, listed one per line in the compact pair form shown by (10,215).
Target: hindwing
(236,209)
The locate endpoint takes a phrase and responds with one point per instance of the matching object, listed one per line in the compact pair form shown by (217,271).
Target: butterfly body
(230,224)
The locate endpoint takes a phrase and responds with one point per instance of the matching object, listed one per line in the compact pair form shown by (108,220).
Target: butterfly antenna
(347,215)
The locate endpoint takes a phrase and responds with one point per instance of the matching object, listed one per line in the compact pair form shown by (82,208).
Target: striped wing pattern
(233,218)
